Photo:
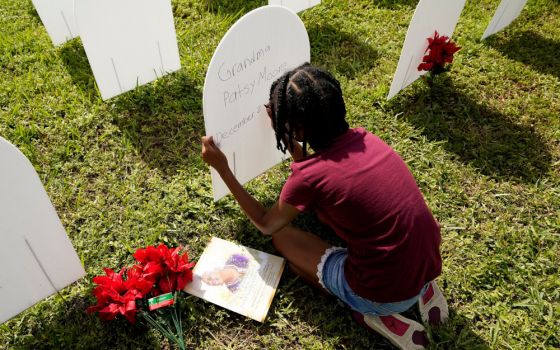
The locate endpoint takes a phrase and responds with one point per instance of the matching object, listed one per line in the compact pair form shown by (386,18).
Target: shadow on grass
(239,7)
(531,48)
(164,122)
(342,51)
(32,12)
(162,119)
(71,327)
(77,65)
(394,4)
(456,333)
(490,141)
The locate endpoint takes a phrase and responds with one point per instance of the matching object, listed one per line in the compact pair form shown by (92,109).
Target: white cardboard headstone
(506,13)
(295,5)
(430,15)
(36,256)
(128,42)
(254,52)
(58,18)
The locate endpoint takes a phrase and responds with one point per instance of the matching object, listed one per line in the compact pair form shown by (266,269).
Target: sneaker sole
(435,311)
(414,338)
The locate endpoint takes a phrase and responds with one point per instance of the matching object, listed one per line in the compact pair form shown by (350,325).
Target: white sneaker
(433,306)
(404,333)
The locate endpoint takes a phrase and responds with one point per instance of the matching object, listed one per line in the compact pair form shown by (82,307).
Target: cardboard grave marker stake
(430,15)
(36,256)
(295,5)
(128,43)
(256,51)
(58,18)
(506,13)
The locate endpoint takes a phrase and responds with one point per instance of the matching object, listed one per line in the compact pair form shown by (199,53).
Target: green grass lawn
(484,146)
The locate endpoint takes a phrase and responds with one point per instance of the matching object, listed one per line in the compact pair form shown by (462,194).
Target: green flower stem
(177,339)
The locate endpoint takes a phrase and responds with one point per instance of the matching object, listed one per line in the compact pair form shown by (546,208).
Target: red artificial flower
(150,262)
(179,267)
(166,268)
(117,296)
(439,52)
(136,280)
(159,270)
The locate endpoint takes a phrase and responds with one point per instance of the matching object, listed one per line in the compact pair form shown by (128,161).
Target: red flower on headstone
(439,52)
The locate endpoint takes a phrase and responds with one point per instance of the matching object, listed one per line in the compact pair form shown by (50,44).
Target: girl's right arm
(267,221)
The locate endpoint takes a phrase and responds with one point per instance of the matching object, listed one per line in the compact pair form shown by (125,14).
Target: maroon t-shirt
(364,191)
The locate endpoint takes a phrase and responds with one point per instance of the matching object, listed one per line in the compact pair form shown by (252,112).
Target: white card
(254,52)
(506,13)
(295,5)
(430,15)
(58,18)
(36,256)
(128,42)
(240,279)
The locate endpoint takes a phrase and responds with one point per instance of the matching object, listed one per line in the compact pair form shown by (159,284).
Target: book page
(240,279)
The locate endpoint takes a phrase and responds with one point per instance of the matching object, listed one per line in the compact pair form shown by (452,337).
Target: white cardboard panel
(430,15)
(295,5)
(254,52)
(58,18)
(128,42)
(36,256)
(506,13)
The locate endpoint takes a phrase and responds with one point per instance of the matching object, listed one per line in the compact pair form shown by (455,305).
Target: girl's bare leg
(303,250)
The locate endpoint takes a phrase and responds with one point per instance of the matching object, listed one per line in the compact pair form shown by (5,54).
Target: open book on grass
(237,278)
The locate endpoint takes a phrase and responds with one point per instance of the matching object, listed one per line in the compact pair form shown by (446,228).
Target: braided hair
(308,100)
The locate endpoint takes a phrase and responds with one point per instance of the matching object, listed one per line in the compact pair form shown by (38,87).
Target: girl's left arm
(267,221)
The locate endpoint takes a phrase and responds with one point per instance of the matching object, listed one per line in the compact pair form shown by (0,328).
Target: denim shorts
(330,272)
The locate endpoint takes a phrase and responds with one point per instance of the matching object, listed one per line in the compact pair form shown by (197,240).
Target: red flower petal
(183,279)
(168,283)
(118,296)
(439,52)
(109,312)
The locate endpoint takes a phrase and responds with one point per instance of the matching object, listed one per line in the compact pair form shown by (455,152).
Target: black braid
(279,112)
(288,116)
(310,100)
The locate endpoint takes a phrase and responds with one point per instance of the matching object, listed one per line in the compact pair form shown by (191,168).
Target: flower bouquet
(438,56)
(156,281)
